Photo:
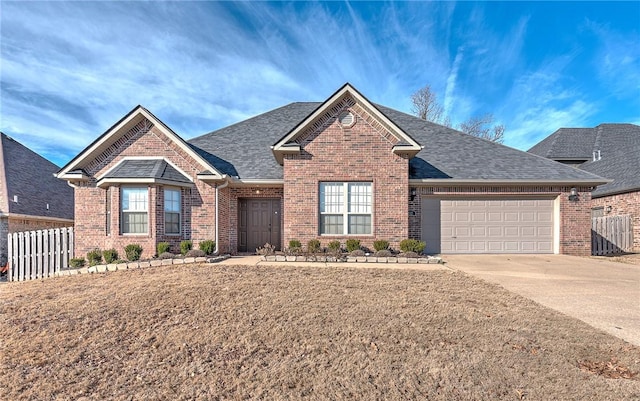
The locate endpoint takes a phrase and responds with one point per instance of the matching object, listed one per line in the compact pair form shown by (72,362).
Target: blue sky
(69,70)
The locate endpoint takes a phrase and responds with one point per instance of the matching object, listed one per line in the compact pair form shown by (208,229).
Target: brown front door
(258,223)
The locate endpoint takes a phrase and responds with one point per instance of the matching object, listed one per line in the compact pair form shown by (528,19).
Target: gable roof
(29,177)
(287,143)
(617,148)
(73,169)
(449,156)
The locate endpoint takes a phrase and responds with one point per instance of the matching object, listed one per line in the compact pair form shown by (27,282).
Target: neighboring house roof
(29,178)
(73,169)
(242,150)
(145,171)
(617,153)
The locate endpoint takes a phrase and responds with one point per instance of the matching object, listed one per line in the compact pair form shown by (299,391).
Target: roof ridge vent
(597,155)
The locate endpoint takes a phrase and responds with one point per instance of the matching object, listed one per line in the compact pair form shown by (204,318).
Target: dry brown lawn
(212,332)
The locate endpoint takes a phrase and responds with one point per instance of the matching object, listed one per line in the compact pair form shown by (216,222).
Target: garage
(495,225)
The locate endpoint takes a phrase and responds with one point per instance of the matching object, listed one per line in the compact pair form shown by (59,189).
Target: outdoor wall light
(573,195)
(412,194)
(608,209)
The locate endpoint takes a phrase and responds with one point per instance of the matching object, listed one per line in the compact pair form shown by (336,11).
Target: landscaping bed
(213,332)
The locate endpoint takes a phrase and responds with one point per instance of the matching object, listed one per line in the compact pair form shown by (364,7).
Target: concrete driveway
(602,293)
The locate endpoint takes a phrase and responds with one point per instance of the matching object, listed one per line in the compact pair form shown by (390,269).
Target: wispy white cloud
(71,69)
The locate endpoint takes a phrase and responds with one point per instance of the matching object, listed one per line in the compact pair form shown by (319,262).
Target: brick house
(611,151)
(31,198)
(343,168)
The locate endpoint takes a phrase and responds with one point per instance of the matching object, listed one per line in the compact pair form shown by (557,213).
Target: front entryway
(258,223)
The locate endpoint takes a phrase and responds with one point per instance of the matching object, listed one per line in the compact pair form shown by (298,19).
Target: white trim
(129,122)
(164,206)
(481,181)
(345,209)
(556,225)
(257,182)
(122,212)
(283,145)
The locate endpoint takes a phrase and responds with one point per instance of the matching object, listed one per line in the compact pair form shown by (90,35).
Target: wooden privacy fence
(39,254)
(611,235)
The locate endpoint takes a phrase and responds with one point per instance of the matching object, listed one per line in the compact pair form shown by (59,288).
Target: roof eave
(124,124)
(483,181)
(106,182)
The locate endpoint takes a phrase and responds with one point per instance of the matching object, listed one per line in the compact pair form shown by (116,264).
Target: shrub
(133,252)
(313,246)
(76,262)
(266,250)
(383,253)
(162,247)
(353,244)
(380,244)
(166,255)
(334,245)
(357,252)
(119,261)
(412,245)
(109,255)
(94,257)
(185,246)
(208,247)
(295,244)
(410,255)
(195,253)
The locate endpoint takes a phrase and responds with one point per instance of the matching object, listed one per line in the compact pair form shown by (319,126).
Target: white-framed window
(172,211)
(345,208)
(135,206)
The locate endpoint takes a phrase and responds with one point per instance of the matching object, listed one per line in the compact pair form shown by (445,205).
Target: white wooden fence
(611,235)
(39,254)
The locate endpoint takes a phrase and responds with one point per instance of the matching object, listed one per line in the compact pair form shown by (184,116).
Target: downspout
(218,188)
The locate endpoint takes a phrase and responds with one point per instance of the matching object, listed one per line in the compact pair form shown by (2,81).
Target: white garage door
(490,225)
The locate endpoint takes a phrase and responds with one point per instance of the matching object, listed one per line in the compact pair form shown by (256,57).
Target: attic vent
(346,119)
(596,155)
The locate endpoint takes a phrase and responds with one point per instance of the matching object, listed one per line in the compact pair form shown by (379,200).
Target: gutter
(485,182)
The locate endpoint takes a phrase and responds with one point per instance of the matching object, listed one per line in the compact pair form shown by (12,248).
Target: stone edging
(136,265)
(352,259)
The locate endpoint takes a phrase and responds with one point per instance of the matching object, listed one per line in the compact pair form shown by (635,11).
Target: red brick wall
(628,203)
(198,202)
(575,217)
(331,152)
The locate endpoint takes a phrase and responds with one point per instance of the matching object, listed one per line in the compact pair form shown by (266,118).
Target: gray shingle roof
(157,169)
(243,150)
(30,177)
(619,146)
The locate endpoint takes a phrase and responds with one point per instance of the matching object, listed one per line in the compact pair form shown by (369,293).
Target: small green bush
(412,245)
(353,244)
(185,246)
(76,262)
(133,252)
(110,255)
(94,257)
(195,253)
(208,247)
(334,245)
(162,247)
(313,246)
(295,244)
(380,244)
